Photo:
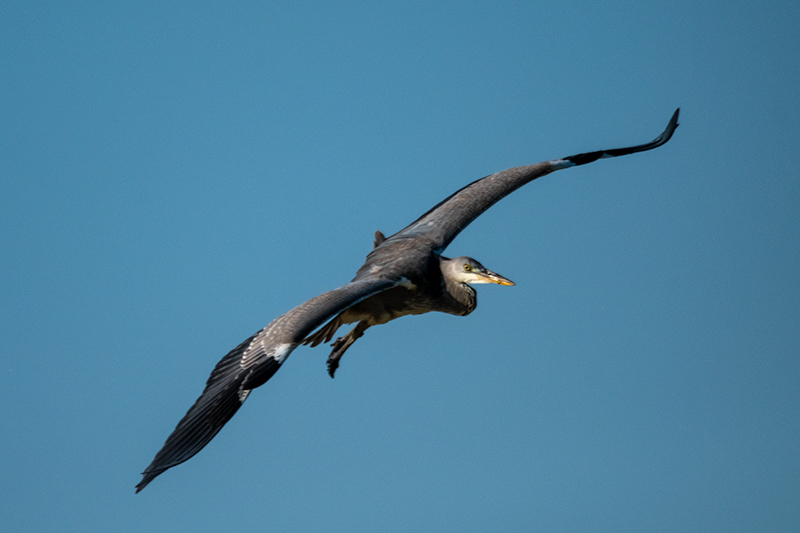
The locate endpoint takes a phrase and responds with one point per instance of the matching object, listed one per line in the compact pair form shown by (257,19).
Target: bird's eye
(467,267)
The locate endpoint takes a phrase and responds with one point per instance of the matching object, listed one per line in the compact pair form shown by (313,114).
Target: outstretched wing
(445,221)
(250,365)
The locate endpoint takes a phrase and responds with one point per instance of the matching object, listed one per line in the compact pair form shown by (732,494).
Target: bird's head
(468,270)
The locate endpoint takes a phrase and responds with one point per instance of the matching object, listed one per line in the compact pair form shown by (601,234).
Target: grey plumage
(405,274)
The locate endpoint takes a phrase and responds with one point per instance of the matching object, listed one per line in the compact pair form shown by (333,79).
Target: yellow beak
(494,277)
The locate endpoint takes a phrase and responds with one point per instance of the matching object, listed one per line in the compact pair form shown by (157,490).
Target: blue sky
(174,177)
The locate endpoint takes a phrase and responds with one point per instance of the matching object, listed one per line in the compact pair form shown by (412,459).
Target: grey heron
(404,274)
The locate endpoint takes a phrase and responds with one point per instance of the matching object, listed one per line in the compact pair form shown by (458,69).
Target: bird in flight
(404,274)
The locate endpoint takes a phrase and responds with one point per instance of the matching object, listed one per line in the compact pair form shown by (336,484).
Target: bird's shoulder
(400,258)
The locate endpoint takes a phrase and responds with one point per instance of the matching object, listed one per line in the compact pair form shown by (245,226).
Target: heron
(404,274)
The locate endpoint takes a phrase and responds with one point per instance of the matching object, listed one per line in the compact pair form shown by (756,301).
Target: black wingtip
(149,475)
(666,135)
(144,482)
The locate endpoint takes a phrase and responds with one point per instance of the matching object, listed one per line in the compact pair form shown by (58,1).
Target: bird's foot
(339,347)
(343,343)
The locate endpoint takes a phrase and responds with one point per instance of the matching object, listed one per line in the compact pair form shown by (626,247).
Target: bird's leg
(343,343)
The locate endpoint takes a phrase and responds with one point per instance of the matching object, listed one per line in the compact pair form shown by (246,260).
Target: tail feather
(325,333)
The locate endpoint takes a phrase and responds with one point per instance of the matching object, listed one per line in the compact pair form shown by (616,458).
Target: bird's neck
(462,293)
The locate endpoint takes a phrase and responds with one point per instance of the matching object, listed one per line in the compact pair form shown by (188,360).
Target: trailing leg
(343,343)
